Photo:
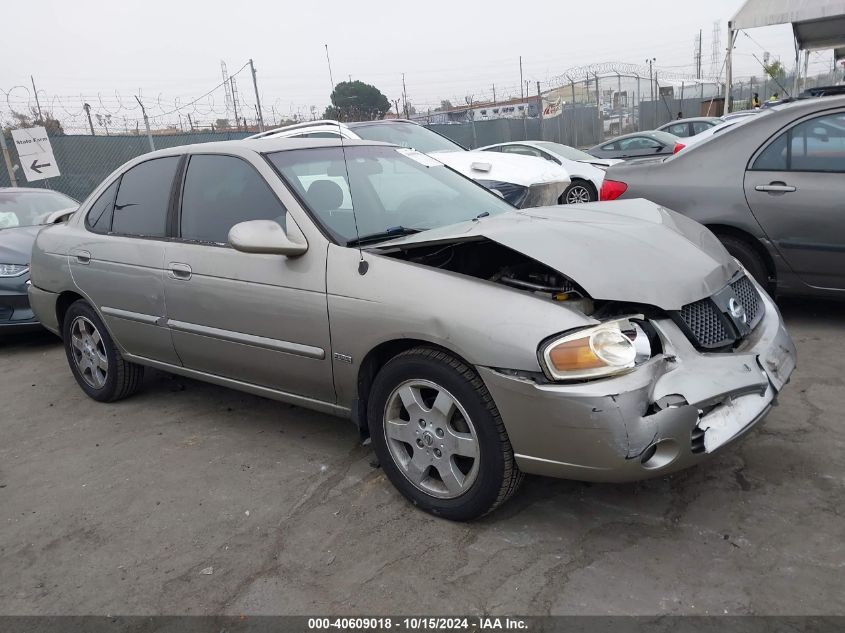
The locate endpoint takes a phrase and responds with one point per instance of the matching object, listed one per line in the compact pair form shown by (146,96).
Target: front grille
(747,295)
(697,440)
(706,324)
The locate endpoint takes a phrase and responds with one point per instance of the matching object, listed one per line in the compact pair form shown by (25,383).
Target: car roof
(30,190)
(691,119)
(659,134)
(259,145)
(379,122)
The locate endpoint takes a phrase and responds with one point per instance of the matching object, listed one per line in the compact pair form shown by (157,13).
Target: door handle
(180,271)
(83,257)
(775,187)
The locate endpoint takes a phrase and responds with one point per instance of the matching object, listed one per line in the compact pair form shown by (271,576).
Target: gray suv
(772,190)
(472,341)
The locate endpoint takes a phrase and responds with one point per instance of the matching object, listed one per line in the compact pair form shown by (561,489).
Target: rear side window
(143,196)
(221,191)
(99,217)
(774,157)
(678,129)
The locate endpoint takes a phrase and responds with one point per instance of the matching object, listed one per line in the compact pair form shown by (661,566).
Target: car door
(795,187)
(119,266)
(256,318)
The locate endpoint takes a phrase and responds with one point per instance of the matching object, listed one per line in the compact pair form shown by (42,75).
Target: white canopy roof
(817,24)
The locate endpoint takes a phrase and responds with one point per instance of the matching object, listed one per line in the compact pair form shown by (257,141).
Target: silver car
(771,187)
(473,342)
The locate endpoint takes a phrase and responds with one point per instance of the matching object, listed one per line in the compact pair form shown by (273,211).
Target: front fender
(487,324)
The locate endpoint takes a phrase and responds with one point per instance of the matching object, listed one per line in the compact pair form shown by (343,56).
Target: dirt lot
(108,509)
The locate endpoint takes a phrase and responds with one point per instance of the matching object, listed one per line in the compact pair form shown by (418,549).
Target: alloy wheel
(89,352)
(577,195)
(431,439)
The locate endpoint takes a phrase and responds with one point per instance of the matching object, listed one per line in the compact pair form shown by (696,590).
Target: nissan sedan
(471,341)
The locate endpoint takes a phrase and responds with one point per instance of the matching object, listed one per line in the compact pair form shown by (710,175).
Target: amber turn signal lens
(574,355)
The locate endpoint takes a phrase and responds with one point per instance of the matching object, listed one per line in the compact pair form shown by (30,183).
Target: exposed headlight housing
(608,349)
(513,193)
(12,270)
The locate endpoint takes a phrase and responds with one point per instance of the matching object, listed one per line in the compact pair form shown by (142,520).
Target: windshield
(407,135)
(567,152)
(30,208)
(393,191)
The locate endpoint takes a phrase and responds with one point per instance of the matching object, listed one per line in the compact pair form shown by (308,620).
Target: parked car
(471,341)
(23,212)
(713,131)
(683,128)
(522,181)
(585,176)
(772,190)
(637,145)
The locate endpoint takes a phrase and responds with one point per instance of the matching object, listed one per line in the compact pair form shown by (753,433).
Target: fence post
(540,110)
(147,125)
(7,158)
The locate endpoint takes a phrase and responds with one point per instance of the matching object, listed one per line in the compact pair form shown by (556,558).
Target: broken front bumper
(668,414)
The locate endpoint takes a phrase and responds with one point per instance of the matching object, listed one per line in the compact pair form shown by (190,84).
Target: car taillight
(678,148)
(612,189)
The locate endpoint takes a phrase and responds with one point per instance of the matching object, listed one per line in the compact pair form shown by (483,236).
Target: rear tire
(579,191)
(748,257)
(94,359)
(447,451)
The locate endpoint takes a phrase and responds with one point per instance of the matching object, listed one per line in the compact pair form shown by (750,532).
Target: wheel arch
(582,180)
(753,242)
(63,302)
(372,363)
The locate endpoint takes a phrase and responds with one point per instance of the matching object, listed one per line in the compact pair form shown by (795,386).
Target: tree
(47,121)
(775,69)
(445,104)
(222,124)
(356,101)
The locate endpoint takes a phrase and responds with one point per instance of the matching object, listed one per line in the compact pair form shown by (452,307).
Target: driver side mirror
(63,215)
(267,237)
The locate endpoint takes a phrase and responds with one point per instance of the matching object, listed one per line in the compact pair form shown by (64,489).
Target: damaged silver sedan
(471,341)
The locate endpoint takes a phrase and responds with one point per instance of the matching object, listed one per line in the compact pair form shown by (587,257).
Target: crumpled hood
(16,244)
(520,170)
(625,250)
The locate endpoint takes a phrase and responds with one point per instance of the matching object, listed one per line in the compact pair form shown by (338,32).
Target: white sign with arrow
(35,153)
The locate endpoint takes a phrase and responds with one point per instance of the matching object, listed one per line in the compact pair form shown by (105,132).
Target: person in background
(774,97)
(680,115)
(755,101)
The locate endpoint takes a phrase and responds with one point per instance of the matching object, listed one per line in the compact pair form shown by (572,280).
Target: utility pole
(234,102)
(257,98)
(698,64)
(146,123)
(8,159)
(396,107)
(404,97)
(521,81)
(87,109)
(37,103)
(190,123)
(494,94)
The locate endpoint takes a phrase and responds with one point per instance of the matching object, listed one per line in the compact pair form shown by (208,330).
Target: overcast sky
(447,50)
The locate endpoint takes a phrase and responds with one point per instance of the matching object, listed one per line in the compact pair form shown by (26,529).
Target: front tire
(578,192)
(94,360)
(748,257)
(439,437)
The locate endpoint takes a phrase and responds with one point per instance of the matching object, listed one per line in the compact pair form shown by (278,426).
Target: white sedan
(585,172)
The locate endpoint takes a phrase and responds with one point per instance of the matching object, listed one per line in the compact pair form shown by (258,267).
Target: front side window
(817,145)
(143,197)
(384,189)
(221,191)
(699,126)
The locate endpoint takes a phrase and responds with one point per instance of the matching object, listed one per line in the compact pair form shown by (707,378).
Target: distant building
(486,111)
